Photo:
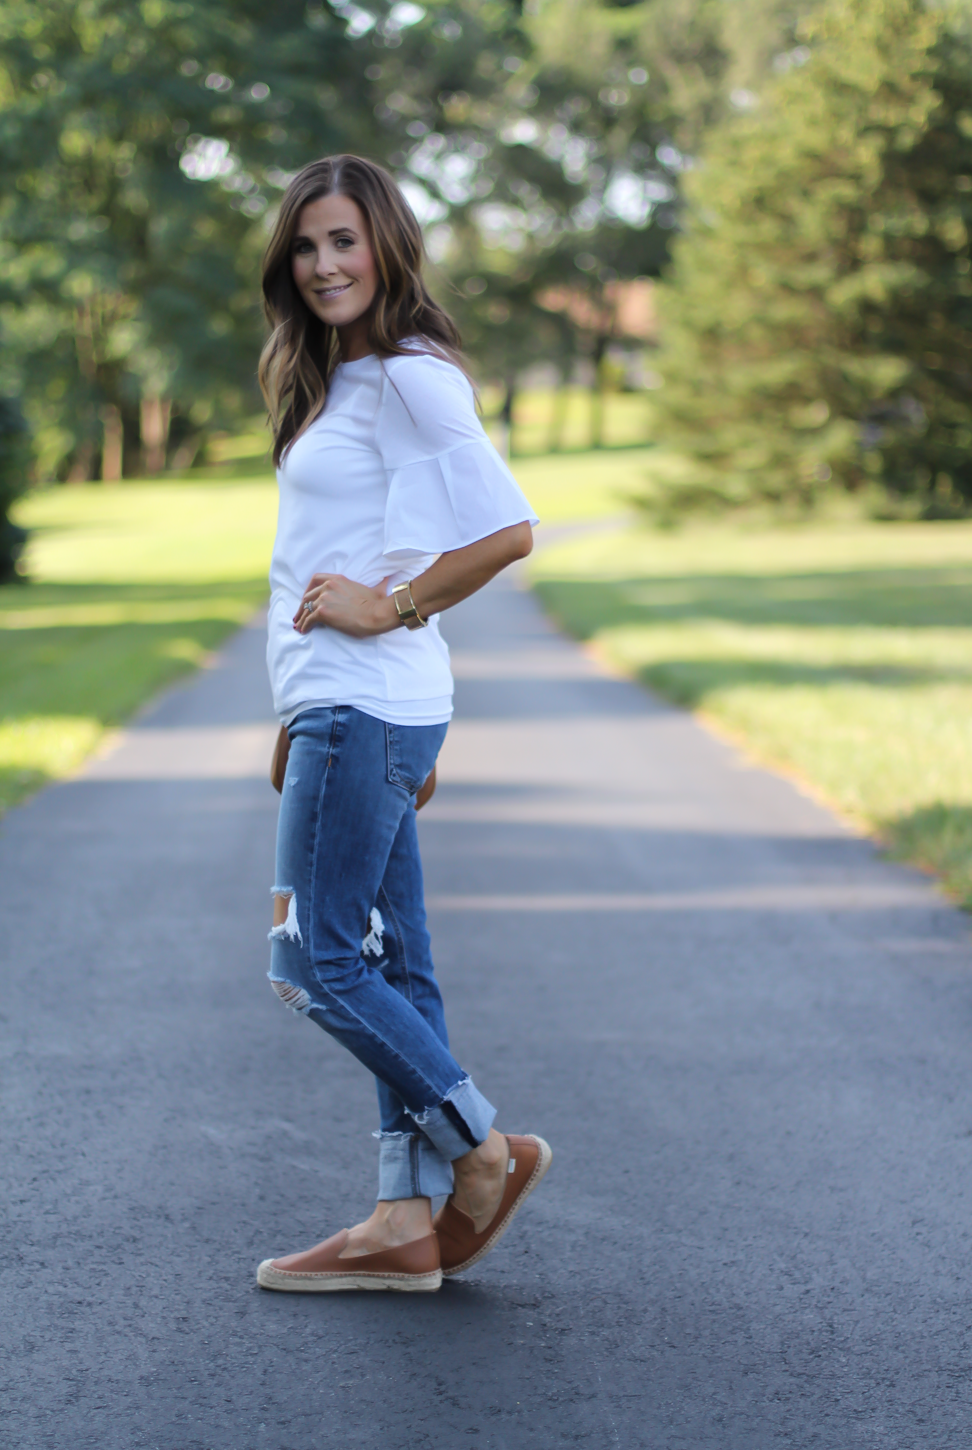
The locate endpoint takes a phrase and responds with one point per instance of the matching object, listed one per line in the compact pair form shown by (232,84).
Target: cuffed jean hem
(410,1167)
(460,1122)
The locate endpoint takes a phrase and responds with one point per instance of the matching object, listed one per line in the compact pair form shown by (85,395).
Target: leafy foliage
(820,303)
(142,147)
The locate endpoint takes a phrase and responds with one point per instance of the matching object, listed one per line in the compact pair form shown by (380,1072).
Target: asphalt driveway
(747,1038)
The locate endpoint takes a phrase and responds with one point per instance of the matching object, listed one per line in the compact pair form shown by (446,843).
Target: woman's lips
(326,294)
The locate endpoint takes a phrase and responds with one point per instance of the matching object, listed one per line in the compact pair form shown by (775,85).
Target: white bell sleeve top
(396,470)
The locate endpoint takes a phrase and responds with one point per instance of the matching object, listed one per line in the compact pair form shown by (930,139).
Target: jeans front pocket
(412,752)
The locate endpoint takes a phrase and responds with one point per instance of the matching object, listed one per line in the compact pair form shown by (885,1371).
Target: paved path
(748,1039)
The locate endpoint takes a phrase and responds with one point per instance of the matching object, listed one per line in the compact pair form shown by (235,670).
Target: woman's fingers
(305,610)
(333,601)
(308,609)
(305,616)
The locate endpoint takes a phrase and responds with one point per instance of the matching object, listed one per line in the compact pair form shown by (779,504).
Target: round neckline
(373,356)
(356,362)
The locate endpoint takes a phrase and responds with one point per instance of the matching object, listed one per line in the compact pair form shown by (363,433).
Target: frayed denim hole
(292,996)
(373,944)
(288,928)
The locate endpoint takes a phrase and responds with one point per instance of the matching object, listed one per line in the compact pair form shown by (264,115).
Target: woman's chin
(338,316)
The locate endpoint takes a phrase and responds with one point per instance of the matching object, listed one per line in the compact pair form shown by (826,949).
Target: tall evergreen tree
(818,320)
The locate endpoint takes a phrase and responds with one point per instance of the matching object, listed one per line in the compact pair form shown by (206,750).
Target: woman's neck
(353,340)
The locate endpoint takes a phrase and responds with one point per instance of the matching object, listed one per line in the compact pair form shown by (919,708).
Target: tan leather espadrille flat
(410,1268)
(460,1246)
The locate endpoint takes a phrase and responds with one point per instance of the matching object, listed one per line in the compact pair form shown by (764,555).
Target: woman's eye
(344,243)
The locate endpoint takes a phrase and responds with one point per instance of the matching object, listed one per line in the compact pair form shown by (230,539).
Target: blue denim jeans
(353,951)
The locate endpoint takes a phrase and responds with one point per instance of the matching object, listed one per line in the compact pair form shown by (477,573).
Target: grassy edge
(91,737)
(892,843)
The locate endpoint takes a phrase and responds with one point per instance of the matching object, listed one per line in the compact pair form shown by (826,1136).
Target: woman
(393,507)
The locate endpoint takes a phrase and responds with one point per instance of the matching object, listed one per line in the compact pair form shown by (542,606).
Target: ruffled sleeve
(447,485)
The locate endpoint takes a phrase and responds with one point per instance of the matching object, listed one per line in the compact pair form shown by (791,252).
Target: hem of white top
(436,711)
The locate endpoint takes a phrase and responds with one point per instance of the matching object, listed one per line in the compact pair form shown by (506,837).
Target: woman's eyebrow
(336,232)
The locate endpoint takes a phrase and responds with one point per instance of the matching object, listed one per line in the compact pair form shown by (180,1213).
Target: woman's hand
(340,603)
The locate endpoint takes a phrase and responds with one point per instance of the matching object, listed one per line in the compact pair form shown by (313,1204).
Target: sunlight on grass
(145,532)
(136,584)
(844,654)
(842,651)
(36,749)
(132,587)
(573,488)
(129,611)
(543,419)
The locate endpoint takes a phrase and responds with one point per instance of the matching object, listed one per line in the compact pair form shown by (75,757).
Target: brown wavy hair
(302,352)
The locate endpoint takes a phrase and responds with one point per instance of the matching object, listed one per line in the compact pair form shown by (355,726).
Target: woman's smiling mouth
(327,292)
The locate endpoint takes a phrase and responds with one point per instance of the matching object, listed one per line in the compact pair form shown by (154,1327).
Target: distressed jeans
(353,950)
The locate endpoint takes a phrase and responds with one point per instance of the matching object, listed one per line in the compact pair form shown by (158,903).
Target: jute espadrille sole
(270,1278)
(544,1160)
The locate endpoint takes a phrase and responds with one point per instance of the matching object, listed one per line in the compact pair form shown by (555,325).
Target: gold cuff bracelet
(410,617)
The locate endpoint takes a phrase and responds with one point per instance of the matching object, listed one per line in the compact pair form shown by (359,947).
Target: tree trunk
(131,440)
(154,427)
(111,453)
(82,464)
(597,393)
(506,419)
(558,414)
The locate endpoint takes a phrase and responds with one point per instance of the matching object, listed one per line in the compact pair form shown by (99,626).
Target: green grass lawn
(842,652)
(563,487)
(131,587)
(541,418)
(569,488)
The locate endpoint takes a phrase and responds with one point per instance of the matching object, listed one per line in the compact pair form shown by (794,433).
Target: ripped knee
(287,928)
(374,943)
(285,924)
(291,995)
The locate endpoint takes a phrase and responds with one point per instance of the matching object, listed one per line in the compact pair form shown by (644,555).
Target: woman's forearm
(456,575)
(335,602)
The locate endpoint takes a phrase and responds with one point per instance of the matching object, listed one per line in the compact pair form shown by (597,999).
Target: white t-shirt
(395,471)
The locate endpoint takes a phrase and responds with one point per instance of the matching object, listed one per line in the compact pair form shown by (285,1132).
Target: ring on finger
(309,606)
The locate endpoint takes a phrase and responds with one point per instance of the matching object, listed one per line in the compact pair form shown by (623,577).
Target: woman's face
(333,264)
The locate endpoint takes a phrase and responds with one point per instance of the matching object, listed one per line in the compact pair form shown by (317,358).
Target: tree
(140,145)
(14,478)
(818,321)
(553,141)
